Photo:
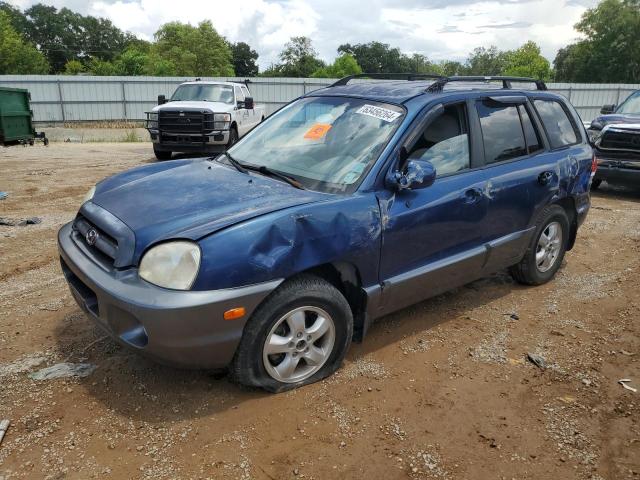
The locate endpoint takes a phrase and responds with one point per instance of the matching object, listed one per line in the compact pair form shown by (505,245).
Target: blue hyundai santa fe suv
(349,203)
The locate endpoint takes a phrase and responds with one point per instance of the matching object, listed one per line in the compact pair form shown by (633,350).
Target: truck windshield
(328,144)
(204,93)
(631,104)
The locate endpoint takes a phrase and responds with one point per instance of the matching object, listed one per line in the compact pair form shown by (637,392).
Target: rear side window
(530,134)
(560,129)
(501,131)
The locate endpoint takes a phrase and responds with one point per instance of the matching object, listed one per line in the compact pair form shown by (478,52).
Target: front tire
(299,335)
(233,137)
(546,249)
(161,154)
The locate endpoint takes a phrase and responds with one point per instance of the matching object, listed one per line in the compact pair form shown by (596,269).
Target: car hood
(603,120)
(192,199)
(210,106)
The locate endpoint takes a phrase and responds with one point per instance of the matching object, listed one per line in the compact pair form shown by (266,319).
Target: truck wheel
(233,137)
(299,335)
(546,250)
(595,183)
(161,154)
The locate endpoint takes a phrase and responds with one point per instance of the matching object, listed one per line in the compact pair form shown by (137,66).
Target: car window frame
(570,117)
(236,89)
(422,121)
(245,90)
(535,121)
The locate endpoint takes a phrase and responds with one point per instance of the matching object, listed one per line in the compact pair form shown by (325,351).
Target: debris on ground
(537,360)
(7,222)
(23,364)
(624,381)
(4,426)
(30,221)
(64,370)
(3,195)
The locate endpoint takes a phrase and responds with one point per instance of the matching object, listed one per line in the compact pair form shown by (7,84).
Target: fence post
(304,87)
(61,100)
(618,97)
(569,97)
(124,101)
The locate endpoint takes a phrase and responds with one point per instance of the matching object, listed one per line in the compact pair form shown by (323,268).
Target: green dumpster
(16,124)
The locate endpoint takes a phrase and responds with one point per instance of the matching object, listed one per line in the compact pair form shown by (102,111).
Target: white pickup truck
(202,117)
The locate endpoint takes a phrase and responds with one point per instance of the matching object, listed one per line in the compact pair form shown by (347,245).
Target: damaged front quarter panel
(280,244)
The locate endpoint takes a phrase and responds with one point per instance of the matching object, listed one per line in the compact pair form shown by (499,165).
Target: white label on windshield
(379,113)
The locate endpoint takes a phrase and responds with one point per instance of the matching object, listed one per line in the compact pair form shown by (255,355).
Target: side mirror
(606,109)
(248,103)
(162,99)
(417,174)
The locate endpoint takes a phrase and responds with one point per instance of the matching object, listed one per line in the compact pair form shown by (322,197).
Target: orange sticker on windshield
(318,131)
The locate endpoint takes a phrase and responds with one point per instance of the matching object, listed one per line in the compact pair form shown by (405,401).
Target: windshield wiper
(239,166)
(272,173)
(244,168)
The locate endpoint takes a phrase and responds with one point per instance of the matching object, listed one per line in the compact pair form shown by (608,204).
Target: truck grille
(185,121)
(619,139)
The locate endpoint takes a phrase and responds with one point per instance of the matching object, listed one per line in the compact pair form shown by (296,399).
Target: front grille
(105,246)
(185,121)
(620,140)
(85,296)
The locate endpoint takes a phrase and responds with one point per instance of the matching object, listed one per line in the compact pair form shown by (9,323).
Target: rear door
(523,174)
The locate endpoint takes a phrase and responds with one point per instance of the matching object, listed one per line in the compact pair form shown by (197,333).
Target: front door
(433,237)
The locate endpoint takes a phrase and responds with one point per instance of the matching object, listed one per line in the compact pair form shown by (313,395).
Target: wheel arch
(569,206)
(345,277)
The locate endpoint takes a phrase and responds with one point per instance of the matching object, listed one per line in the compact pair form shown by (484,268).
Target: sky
(439,29)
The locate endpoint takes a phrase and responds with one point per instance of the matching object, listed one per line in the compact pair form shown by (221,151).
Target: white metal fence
(60,98)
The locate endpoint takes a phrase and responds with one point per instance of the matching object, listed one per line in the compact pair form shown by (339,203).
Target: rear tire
(161,154)
(308,323)
(595,183)
(546,249)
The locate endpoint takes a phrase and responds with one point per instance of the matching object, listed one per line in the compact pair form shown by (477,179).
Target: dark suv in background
(349,203)
(616,138)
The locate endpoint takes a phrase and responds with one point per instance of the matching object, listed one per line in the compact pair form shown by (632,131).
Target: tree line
(43,39)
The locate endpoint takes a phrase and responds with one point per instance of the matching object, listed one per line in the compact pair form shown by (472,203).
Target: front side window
(445,142)
(501,131)
(239,95)
(631,105)
(560,129)
(204,93)
(326,143)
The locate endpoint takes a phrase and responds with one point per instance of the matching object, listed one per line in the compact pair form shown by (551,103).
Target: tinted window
(631,104)
(560,129)
(501,131)
(445,142)
(530,133)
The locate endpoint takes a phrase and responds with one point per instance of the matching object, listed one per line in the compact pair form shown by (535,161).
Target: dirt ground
(441,390)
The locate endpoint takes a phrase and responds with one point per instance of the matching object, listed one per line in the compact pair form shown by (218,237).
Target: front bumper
(180,328)
(215,141)
(618,172)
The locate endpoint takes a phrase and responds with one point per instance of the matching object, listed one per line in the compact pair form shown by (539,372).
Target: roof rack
(439,84)
(386,76)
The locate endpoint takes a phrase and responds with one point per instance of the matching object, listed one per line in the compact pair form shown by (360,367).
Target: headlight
(221,121)
(89,195)
(152,120)
(171,265)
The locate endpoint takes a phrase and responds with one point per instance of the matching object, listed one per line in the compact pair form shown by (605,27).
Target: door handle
(473,195)
(545,178)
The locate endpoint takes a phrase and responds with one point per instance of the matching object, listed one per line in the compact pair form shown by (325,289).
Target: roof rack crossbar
(386,76)
(439,84)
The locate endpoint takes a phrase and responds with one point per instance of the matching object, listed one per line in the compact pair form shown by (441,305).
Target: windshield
(631,104)
(328,144)
(204,93)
